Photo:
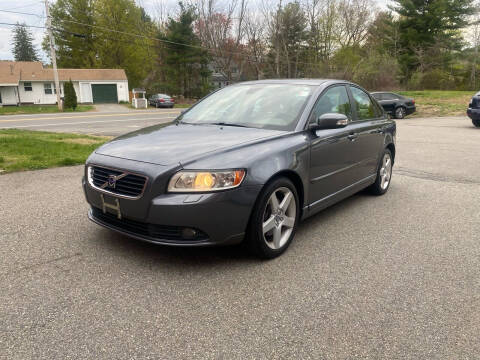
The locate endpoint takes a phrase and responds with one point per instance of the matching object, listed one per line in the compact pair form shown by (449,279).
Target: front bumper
(222,217)
(473,114)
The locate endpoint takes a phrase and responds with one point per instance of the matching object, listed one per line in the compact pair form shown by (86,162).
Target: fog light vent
(188,233)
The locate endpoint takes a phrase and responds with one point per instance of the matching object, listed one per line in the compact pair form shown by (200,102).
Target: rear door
(367,126)
(389,102)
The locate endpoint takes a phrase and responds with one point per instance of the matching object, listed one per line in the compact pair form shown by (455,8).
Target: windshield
(266,106)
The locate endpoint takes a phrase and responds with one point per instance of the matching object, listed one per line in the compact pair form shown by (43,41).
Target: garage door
(104,93)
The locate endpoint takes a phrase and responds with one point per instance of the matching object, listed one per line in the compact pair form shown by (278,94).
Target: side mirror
(330,121)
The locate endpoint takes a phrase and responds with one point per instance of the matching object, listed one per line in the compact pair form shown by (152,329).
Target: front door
(332,152)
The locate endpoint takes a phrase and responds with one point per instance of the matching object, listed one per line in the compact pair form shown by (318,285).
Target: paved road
(394,277)
(96,123)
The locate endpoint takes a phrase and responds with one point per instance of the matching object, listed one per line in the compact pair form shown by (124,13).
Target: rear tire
(400,112)
(274,219)
(476,123)
(384,174)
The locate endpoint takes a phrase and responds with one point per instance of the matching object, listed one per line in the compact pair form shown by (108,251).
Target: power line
(29,26)
(21,13)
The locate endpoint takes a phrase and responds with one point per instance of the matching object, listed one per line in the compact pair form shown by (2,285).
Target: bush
(435,79)
(70,96)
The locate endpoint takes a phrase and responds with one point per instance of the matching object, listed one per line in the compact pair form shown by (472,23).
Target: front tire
(400,112)
(476,123)
(384,174)
(274,219)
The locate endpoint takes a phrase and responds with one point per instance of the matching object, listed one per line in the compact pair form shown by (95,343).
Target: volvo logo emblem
(112,181)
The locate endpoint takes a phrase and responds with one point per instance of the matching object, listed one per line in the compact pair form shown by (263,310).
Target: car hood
(180,143)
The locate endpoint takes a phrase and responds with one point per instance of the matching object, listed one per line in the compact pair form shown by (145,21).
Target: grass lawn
(30,150)
(432,103)
(39,109)
(182,106)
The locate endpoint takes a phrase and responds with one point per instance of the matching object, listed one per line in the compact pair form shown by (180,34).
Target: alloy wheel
(279,218)
(400,113)
(385,171)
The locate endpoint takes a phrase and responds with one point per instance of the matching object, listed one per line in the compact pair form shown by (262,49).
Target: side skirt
(337,196)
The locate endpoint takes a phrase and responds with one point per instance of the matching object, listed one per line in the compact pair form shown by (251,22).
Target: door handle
(352,137)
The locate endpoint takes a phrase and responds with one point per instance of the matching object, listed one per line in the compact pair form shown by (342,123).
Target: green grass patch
(431,103)
(40,109)
(182,106)
(30,150)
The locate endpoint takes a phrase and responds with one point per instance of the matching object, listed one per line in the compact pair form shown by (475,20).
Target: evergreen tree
(23,48)
(430,31)
(70,101)
(184,67)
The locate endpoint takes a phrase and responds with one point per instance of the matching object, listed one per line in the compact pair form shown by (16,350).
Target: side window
(27,86)
(390,97)
(363,104)
(334,100)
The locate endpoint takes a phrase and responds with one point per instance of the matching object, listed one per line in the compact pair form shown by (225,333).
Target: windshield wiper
(225,124)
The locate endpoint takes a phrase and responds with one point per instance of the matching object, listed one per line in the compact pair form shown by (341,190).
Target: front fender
(264,159)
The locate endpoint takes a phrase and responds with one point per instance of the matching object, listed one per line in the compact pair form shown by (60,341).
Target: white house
(23,82)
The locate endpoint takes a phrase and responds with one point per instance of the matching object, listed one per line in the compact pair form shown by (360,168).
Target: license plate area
(111,205)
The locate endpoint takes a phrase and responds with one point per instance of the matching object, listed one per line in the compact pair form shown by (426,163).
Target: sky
(37,7)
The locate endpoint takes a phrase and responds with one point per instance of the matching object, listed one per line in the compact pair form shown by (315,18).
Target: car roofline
(310,82)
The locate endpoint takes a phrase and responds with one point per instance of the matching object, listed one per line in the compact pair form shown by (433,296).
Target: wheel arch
(297,182)
(391,147)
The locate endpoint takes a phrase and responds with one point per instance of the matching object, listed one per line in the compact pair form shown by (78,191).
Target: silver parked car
(161,101)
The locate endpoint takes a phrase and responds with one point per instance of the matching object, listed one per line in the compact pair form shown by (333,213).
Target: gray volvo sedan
(245,164)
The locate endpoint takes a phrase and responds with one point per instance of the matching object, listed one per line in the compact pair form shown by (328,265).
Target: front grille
(160,232)
(126,185)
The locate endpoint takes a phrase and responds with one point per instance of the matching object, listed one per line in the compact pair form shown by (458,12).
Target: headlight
(203,181)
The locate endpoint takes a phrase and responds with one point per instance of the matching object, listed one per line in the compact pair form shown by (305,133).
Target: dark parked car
(161,100)
(248,162)
(396,105)
(473,110)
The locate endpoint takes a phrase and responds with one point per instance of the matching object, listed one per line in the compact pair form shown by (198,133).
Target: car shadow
(122,245)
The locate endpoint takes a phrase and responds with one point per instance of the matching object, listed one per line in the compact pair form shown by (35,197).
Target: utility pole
(53,55)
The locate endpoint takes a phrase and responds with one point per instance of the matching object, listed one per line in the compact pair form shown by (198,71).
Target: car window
(378,96)
(363,104)
(390,97)
(267,106)
(334,100)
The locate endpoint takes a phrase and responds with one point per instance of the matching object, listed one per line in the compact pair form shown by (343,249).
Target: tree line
(415,44)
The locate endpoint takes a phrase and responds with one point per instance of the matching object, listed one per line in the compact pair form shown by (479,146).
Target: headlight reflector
(204,181)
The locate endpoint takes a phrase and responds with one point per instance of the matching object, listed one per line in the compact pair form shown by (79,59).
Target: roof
(313,82)
(11,72)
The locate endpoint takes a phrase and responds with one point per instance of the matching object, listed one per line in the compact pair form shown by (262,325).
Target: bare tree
(355,17)
(222,32)
(256,44)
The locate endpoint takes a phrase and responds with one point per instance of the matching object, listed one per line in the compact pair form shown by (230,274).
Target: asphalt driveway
(393,277)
